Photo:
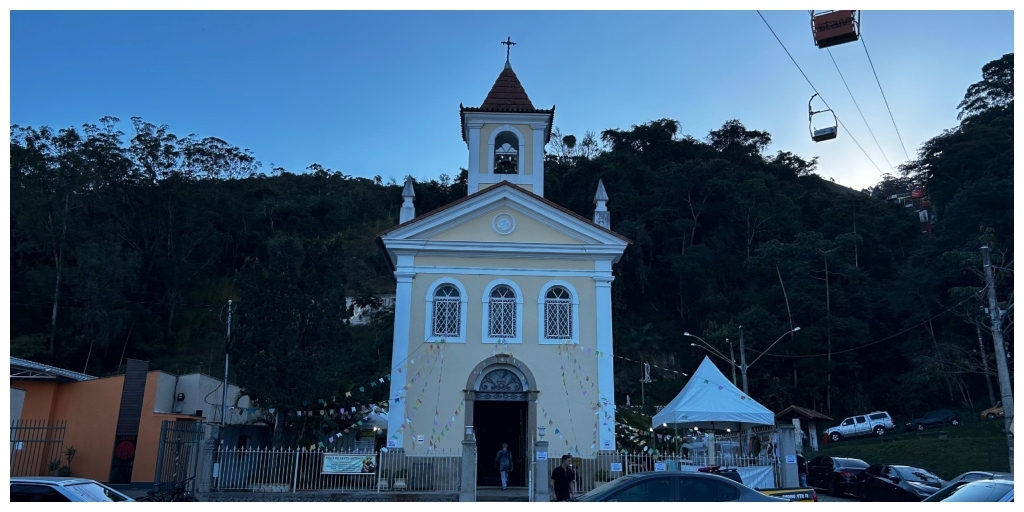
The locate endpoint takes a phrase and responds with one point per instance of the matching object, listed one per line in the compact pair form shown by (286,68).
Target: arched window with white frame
(503,313)
(558,314)
(506,153)
(446,312)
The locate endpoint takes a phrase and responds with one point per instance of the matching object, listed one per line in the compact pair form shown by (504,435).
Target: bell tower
(506,135)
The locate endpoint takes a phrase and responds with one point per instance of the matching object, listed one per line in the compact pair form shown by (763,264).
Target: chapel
(503,305)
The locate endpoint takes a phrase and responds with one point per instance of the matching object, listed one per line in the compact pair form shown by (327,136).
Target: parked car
(876,423)
(934,419)
(838,475)
(971,476)
(884,482)
(996,411)
(977,491)
(61,489)
(675,486)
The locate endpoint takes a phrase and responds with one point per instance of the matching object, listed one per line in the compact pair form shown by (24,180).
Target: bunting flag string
(590,398)
(433,350)
(437,401)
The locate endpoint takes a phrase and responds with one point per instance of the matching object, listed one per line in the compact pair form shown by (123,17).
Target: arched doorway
(501,399)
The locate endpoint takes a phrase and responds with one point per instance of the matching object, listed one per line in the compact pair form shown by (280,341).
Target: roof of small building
(23,369)
(795,411)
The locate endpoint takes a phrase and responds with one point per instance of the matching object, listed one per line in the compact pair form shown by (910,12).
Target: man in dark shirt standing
(563,479)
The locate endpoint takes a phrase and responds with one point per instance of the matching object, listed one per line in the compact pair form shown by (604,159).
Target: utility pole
(1005,391)
(984,362)
(224,398)
(732,357)
(743,362)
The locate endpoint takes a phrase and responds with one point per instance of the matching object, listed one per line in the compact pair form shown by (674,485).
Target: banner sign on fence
(659,466)
(616,467)
(348,464)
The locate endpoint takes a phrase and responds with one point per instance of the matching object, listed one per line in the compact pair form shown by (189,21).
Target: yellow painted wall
(494,263)
(484,184)
(543,360)
(526,155)
(527,230)
(530,287)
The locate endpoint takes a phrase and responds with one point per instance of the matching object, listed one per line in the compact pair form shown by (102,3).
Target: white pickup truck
(875,423)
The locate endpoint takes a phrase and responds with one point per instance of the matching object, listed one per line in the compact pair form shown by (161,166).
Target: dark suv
(934,419)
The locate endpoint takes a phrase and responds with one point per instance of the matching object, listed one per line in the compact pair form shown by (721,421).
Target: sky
(378,93)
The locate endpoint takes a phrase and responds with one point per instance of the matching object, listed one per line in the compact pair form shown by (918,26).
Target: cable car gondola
(827,133)
(835,27)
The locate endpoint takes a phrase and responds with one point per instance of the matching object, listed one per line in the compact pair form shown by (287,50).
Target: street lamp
(707,346)
(744,366)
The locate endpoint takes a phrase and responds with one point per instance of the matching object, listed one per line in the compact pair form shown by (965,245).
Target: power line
(819,94)
(880,150)
(904,331)
(883,96)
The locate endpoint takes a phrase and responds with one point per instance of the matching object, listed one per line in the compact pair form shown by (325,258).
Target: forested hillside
(127,241)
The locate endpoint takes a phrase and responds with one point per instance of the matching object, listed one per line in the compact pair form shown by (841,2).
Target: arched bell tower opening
(501,405)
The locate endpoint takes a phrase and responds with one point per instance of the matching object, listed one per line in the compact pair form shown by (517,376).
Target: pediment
(504,214)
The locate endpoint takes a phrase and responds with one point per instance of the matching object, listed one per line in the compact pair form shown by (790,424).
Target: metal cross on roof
(508,47)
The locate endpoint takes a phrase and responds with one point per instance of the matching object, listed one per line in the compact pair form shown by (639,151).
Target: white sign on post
(616,467)
(790,459)
(419,439)
(392,443)
(542,455)
(659,466)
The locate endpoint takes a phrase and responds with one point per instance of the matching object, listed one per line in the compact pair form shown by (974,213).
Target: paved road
(826,498)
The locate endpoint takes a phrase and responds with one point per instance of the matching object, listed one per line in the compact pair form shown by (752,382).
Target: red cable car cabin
(835,27)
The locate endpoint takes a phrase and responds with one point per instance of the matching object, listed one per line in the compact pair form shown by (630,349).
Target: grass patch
(974,445)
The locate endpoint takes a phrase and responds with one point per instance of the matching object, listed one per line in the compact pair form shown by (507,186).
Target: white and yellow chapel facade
(503,308)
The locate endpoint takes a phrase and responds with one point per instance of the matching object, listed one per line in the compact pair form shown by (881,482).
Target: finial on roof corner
(601,194)
(601,215)
(408,191)
(408,211)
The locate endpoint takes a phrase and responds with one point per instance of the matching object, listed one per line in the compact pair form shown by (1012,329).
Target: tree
(994,90)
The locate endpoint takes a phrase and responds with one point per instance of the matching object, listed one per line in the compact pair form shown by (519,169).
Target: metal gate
(180,449)
(34,445)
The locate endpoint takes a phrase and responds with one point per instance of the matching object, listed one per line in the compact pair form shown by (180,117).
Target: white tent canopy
(709,400)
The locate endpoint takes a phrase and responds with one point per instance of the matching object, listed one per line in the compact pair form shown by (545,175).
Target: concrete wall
(17,402)
(203,393)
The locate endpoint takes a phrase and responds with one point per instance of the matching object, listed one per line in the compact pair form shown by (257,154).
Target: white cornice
(506,118)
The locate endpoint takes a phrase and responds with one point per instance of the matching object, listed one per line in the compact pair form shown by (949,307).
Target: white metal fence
(295,470)
(440,471)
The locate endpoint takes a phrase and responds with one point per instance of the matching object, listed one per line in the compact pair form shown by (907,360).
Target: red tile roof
(508,95)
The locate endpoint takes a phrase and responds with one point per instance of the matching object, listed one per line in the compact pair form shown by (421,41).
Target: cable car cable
(872,132)
(819,94)
(883,97)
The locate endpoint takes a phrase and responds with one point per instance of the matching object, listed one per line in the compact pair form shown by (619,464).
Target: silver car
(61,489)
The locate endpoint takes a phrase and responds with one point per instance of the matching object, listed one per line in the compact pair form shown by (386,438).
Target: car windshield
(851,463)
(92,491)
(972,492)
(918,475)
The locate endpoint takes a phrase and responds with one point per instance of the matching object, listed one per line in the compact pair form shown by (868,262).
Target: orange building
(90,407)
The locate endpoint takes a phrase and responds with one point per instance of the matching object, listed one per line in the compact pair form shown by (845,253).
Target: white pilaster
(538,157)
(399,353)
(606,362)
(474,156)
